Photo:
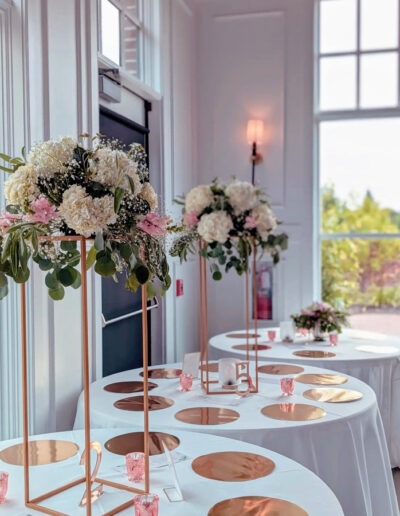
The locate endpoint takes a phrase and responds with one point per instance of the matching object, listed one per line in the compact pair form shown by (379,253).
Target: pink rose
(190,219)
(42,210)
(250,222)
(154,225)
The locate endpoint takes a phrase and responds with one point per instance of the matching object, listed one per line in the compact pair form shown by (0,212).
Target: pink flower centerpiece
(320,318)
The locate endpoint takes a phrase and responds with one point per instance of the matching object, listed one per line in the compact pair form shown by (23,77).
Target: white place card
(191,363)
(173,493)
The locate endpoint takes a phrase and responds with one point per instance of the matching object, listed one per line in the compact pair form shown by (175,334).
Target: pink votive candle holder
(333,339)
(135,466)
(146,505)
(271,335)
(185,382)
(287,386)
(3,486)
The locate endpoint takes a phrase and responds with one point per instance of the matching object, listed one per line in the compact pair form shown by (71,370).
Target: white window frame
(345,114)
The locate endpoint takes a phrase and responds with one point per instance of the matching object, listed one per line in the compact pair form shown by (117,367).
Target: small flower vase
(318,334)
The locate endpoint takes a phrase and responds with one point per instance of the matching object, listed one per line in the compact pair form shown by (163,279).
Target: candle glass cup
(3,486)
(146,505)
(287,386)
(135,466)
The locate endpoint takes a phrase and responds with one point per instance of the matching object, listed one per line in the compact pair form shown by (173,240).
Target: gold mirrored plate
(207,416)
(256,506)
(128,387)
(212,368)
(134,442)
(280,369)
(252,347)
(243,335)
(40,452)
(231,466)
(310,353)
(332,395)
(378,349)
(321,379)
(164,373)
(293,412)
(136,403)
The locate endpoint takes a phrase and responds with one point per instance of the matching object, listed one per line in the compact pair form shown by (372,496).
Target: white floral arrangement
(102,192)
(229,219)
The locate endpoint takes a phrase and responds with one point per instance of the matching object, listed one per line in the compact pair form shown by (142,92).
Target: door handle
(105,323)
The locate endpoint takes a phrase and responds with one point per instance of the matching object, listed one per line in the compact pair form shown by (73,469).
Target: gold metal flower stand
(209,385)
(35,503)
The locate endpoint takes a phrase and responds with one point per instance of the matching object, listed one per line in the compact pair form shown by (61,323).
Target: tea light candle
(227,371)
(287,331)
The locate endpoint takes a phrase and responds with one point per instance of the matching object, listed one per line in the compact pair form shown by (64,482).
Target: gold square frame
(34,503)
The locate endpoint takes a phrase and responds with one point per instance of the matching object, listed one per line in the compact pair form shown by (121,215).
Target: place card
(190,364)
(384,350)
(174,493)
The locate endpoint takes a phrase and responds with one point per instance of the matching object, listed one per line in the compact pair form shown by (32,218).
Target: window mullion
(358,62)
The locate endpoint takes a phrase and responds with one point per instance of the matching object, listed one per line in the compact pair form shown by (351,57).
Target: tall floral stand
(210,386)
(34,503)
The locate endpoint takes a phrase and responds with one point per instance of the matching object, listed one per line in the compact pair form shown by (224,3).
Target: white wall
(254,60)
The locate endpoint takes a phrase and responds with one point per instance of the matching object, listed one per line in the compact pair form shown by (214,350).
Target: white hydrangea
(50,157)
(84,214)
(265,219)
(148,194)
(215,227)
(111,168)
(198,199)
(21,186)
(242,196)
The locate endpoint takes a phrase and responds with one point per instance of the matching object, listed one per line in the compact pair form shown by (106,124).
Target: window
(121,34)
(357,122)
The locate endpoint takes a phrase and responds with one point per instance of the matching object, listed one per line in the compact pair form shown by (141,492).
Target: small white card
(191,363)
(173,493)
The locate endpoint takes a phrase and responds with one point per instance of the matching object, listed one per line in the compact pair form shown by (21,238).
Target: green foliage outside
(359,271)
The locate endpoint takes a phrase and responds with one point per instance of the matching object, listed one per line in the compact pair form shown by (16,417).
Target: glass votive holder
(3,486)
(271,335)
(333,339)
(185,382)
(135,466)
(146,505)
(287,386)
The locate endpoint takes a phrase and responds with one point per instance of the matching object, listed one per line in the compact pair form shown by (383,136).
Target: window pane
(359,166)
(338,24)
(367,284)
(337,83)
(379,24)
(131,47)
(110,31)
(379,80)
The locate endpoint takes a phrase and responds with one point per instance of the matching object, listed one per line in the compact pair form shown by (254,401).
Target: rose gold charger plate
(232,466)
(256,506)
(293,412)
(280,369)
(136,403)
(311,353)
(128,387)
(134,442)
(332,395)
(321,379)
(164,373)
(252,347)
(40,452)
(207,416)
(243,335)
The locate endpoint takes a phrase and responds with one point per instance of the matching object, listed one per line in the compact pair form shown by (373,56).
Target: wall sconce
(255,134)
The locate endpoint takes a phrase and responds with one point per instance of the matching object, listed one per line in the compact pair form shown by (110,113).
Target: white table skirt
(347,448)
(381,371)
(289,481)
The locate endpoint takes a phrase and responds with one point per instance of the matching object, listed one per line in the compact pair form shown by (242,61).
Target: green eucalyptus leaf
(118,196)
(67,276)
(57,293)
(125,251)
(105,266)
(22,276)
(151,290)
(68,245)
(91,258)
(217,276)
(51,281)
(99,242)
(3,280)
(78,281)
(142,274)
(132,283)
(45,264)
(3,292)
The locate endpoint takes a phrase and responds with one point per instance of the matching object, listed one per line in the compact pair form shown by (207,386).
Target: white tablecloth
(347,448)
(289,480)
(380,370)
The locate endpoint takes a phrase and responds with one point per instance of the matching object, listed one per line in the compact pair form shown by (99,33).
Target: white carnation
(84,214)
(21,186)
(111,168)
(265,219)
(50,157)
(215,227)
(198,199)
(149,195)
(242,196)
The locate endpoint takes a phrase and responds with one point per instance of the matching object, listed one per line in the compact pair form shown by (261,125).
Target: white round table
(346,448)
(288,481)
(371,357)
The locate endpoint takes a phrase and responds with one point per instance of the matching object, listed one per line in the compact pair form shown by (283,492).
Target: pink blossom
(6,220)
(42,210)
(250,222)
(190,219)
(154,225)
